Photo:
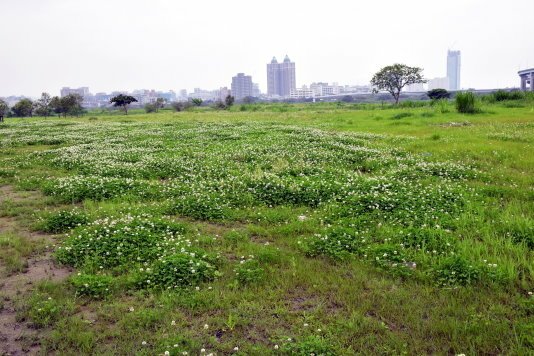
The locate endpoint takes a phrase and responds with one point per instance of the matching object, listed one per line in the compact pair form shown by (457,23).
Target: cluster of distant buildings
(281,85)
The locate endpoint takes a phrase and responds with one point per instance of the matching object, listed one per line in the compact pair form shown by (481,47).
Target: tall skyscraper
(454,63)
(242,86)
(281,77)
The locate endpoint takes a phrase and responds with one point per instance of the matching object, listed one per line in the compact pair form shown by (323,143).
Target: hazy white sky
(162,44)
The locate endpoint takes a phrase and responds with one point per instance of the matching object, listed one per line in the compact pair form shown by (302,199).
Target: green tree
(56,105)
(150,107)
(67,105)
(395,77)
(4,109)
(42,105)
(197,101)
(219,105)
(72,104)
(123,101)
(159,103)
(23,108)
(229,101)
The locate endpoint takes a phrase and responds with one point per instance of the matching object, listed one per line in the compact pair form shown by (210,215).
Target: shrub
(149,108)
(181,105)
(249,271)
(401,115)
(63,221)
(466,103)
(177,270)
(78,188)
(219,105)
(437,94)
(44,311)
(501,95)
(112,242)
(412,104)
(441,105)
(94,286)
(202,206)
(456,270)
(311,345)
(338,243)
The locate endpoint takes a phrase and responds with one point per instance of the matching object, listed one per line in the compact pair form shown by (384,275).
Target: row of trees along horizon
(391,79)
(71,105)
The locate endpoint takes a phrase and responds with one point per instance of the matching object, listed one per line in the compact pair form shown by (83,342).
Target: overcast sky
(163,44)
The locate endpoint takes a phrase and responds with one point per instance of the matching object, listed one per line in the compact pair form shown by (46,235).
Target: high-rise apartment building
(454,63)
(281,77)
(242,86)
(83,91)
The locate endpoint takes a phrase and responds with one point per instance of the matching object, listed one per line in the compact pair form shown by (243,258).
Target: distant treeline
(71,105)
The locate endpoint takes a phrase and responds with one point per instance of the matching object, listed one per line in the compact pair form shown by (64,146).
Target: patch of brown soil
(18,337)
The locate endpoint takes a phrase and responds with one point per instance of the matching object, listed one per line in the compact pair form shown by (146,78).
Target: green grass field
(324,229)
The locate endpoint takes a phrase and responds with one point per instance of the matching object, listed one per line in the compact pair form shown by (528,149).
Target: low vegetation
(319,229)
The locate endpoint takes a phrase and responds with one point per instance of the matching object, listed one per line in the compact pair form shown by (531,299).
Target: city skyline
(48,44)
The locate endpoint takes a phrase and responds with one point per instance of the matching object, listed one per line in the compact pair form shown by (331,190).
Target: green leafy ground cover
(284,229)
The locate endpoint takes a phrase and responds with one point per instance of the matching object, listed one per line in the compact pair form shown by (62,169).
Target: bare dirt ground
(19,337)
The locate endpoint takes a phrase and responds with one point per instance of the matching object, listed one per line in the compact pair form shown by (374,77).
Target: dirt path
(18,337)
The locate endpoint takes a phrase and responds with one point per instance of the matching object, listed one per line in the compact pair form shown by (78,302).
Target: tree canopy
(68,105)
(4,109)
(229,101)
(395,77)
(123,101)
(42,105)
(197,101)
(23,108)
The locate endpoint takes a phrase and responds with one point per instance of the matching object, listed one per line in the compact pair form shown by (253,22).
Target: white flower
(143,343)
(276,347)
(173,322)
(236,348)
(305,325)
(167,353)
(202,351)
(131,309)
(302,217)
(206,326)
